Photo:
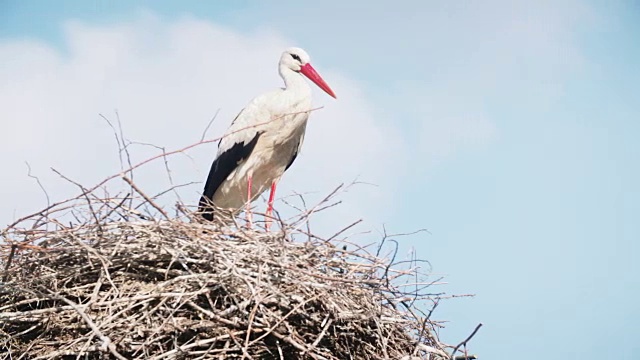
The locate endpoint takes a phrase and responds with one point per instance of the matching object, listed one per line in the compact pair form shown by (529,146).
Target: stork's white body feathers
(281,119)
(263,140)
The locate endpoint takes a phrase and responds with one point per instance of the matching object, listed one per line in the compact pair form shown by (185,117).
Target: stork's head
(297,60)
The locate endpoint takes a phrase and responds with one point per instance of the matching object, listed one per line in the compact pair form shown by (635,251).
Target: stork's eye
(295,57)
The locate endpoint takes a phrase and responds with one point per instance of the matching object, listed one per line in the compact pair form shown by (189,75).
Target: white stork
(262,141)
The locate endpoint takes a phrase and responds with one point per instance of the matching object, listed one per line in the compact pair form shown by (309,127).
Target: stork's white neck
(294,82)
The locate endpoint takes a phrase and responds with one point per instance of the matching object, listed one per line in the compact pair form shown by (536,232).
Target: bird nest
(96,277)
(168,289)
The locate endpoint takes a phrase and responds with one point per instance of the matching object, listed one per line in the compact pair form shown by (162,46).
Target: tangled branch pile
(114,283)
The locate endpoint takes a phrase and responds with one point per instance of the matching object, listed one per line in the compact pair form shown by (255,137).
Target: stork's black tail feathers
(205,208)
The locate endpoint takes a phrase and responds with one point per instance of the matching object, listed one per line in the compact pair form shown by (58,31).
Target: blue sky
(508,129)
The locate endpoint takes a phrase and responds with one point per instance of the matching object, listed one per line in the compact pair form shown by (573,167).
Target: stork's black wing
(295,154)
(221,168)
(293,158)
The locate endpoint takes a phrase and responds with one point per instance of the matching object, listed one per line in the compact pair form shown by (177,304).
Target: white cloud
(166,80)
(471,63)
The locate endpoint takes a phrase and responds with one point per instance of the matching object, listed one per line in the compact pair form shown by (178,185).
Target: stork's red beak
(308,71)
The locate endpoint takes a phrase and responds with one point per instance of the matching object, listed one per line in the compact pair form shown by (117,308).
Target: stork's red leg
(270,205)
(248,209)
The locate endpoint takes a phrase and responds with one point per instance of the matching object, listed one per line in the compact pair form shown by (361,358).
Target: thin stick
(6,267)
(204,133)
(148,199)
(464,343)
(39,183)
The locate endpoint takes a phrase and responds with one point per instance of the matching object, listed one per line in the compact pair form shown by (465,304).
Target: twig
(204,133)
(137,189)
(344,229)
(115,134)
(464,343)
(39,183)
(84,194)
(8,264)
(118,206)
(322,334)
